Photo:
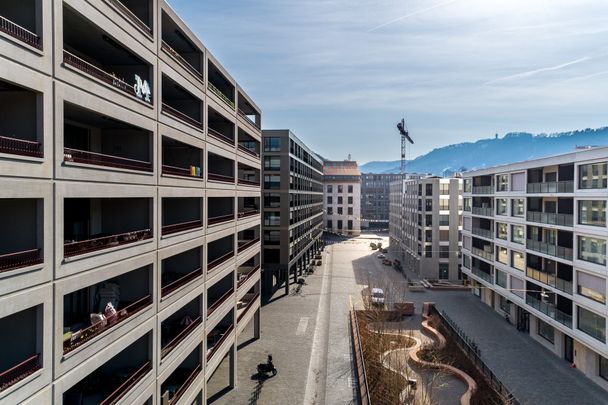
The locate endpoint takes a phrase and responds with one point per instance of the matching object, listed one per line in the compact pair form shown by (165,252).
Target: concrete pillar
(256,324)
(232,359)
(287,270)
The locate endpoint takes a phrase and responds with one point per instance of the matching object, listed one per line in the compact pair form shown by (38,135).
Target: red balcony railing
(92,158)
(249,182)
(220,177)
(183,226)
(184,387)
(182,281)
(180,171)
(99,327)
(211,352)
(19,372)
(134,19)
(248,276)
(218,135)
(242,114)
(17,31)
(22,147)
(180,337)
(249,305)
(92,70)
(91,245)
(249,151)
(129,383)
(248,213)
(214,263)
(219,301)
(167,109)
(220,218)
(11,261)
(179,59)
(242,245)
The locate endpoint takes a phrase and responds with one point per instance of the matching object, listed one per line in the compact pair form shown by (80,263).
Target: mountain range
(513,147)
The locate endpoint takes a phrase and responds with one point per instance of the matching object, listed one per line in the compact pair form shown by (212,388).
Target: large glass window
(502,255)
(272,200)
(592,212)
(444,204)
(603,367)
(330,188)
(518,260)
(502,182)
(272,162)
(272,144)
(501,278)
(272,219)
(467,204)
(518,234)
(501,231)
(340,188)
(330,200)
(501,206)
(272,181)
(444,188)
(428,204)
(592,176)
(592,324)
(592,250)
(467,185)
(350,189)
(592,287)
(517,207)
(444,220)
(429,190)
(546,331)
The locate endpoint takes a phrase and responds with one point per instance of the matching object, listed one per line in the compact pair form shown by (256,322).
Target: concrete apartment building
(425,224)
(375,191)
(534,246)
(342,197)
(293,208)
(129,178)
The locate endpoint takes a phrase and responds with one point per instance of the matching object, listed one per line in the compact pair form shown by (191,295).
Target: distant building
(342,197)
(375,189)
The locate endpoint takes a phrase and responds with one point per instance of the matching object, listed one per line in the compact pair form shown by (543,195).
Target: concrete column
(232,359)
(256,324)
(287,270)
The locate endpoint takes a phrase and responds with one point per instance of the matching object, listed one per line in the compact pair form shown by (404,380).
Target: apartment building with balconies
(129,178)
(534,247)
(375,195)
(342,197)
(292,212)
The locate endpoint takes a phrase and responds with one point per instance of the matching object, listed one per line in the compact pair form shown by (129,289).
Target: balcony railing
(182,281)
(180,337)
(220,218)
(252,122)
(12,261)
(20,33)
(129,383)
(249,151)
(248,213)
(483,189)
(550,218)
(167,109)
(179,59)
(100,327)
(486,233)
(550,310)
(19,372)
(221,137)
(134,19)
(92,158)
(220,301)
(549,249)
(21,147)
(184,387)
(249,305)
(249,182)
(183,226)
(214,263)
(482,274)
(248,276)
(92,70)
(242,245)
(181,171)
(487,211)
(216,346)
(91,245)
(221,95)
(550,279)
(482,253)
(566,186)
(220,177)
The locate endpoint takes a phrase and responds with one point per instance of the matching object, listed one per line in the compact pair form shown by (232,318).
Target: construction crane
(405,138)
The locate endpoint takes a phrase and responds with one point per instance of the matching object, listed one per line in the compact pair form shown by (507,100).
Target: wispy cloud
(413,13)
(534,72)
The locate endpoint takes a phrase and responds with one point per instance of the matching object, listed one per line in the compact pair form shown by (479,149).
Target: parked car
(377,296)
(387,262)
(385,250)
(381,256)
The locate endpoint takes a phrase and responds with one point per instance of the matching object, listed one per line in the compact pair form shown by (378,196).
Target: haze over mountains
(513,147)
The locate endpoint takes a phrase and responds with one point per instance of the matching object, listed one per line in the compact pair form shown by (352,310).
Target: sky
(341,73)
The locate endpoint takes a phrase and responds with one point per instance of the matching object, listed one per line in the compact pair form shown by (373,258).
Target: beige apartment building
(130,206)
(342,197)
(534,247)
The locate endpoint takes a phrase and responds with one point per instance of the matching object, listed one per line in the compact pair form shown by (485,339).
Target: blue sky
(341,73)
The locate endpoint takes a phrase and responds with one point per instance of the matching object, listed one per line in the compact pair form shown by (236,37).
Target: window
(272,162)
(501,206)
(272,219)
(501,278)
(428,220)
(340,188)
(444,235)
(592,213)
(330,210)
(428,251)
(340,224)
(592,324)
(350,210)
(340,200)
(350,200)
(502,182)
(466,261)
(349,223)
(467,185)
(502,255)
(444,204)
(592,176)
(603,367)
(272,237)
(444,220)
(591,286)
(330,224)
(518,234)
(428,204)
(444,252)
(517,207)
(272,181)
(546,331)
(504,304)
(340,211)
(272,144)
(592,250)
(518,260)
(330,188)
(444,271)
(429,190)
(467,204)
(444,188)
(272,200)
(501,231)
(330,200)
(350,189)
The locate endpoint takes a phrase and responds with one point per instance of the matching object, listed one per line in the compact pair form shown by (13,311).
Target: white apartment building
(534,247)
(342,197)
(129,176)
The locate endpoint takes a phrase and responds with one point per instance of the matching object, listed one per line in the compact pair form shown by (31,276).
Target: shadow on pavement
(219,394)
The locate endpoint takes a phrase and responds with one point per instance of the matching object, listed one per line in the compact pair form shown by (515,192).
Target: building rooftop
(341,168)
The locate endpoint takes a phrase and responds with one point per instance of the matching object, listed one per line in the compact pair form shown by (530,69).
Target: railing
(180,59)
(219,219)
(482,274)
(242,114)
(19,372)
(242,245)
(220,178)
(486,233)
(483,190)
(248,276)
(127,384)
(22,34)
(98,328)
(220,301)
(142,25)
(219,136)
(248,213)
(550,310)
(183,226)
(487,211)
(92,158)
(361,372)
(549,249)
(11,261)
(167,109)
(566,186)
(550,218)
(221,95)
(21,147)
(216,346)
(91,245)
(184,387)
(180,337)
(550,279)
(216,262)
(249,151)
(92,70)
(249,305)
(482,253)
(249,182)
(185,279)
(179,171)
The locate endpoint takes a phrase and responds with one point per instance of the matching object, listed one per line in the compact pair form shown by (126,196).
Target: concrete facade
(129,173)
(342,197)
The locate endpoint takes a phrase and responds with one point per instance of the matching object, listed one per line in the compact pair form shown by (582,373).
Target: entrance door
(523,320)
(568,349)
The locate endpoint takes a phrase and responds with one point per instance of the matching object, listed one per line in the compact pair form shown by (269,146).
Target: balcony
(248,175)
(21,244)
(248,206)
(248,238)
(180,270)
(220,127)
(486,211)
(177,45)
(550,249)
(219,251)
(221,169)
(247,301)
(248,112)
(180,325)
(220,210)
(549,279)
(218,335)
(248,144)
(245,273)
(483,189)
(219,293)
(22,20)
(181,159)
(488,255)
(550,310)
(550,218)
(179,103)
(20,133)
(486,233)
(91,51)
(181,214)
(219,85)
(566,186)
(174,387)
(483,275)
(19,372)
(138,12)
